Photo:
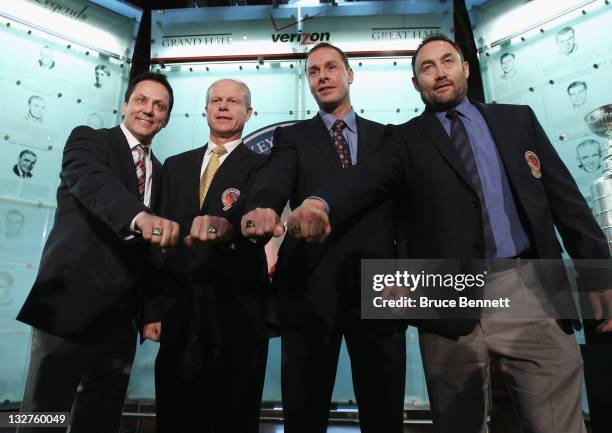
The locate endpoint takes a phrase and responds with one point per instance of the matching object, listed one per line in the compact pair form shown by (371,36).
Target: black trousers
(87,380)
(309,364)
(217,388)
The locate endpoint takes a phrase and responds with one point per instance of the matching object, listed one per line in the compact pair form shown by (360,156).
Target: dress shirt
(508,232)
(229,147)
(349,133)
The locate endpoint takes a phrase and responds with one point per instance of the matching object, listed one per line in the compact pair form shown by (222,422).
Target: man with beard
(317,286)
(480,182)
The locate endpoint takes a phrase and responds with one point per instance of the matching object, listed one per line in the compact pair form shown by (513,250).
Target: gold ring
(157,231)
(296,229)
(249,224)
(212,229)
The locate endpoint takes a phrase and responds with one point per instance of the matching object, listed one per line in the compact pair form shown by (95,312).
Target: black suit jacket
(18,173)
(442,214)
(222,287)
(314,282)
(90,276)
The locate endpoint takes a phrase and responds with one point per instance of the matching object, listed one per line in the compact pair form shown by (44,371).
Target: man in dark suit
(94,266)
(214,343)
(317,287)
(480,182)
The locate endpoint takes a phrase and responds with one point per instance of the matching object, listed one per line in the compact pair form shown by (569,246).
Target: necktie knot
(142,150)
(338,125)
(219,150)
(452,114)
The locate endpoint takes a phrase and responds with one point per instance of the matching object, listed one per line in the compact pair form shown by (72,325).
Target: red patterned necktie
(141,169)
(340,143)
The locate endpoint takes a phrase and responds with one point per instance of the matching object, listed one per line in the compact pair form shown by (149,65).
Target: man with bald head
(214,344)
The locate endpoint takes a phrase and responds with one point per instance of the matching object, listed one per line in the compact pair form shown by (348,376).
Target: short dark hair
(151,76)
(577,84)
(27,152)
(333,47)
(506,55)
(433,38)
(103,68)
(31,98)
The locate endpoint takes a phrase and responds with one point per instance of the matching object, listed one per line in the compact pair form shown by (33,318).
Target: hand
(601,304)
(309,221)
(261,223)
(209,229)
(157,230)
(152,331)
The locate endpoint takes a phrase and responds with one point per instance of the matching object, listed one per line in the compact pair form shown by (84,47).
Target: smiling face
(226,111)
(566,42)
(146,111)
(37,108)
(589,156)
(27,162)
(329,80)
(441,75)
(102,75)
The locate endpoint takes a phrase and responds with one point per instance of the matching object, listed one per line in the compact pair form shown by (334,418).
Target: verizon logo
(304,38)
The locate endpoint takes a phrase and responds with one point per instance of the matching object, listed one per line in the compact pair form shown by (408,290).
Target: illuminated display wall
(56,72)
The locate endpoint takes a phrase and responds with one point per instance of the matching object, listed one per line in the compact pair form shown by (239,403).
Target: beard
(444,104)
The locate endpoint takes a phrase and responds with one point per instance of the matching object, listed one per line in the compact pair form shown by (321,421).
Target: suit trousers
(309,364)
(87,380)
(216,388)
(540,361)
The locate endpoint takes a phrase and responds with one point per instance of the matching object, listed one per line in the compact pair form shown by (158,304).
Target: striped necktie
(461,142)
(141,169)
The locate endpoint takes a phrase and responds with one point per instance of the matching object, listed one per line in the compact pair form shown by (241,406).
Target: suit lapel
(318,136)
(366,140)
(126,161)
(229,165)
(433,129)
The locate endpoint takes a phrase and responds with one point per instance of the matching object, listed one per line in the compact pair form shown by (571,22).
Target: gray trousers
(541,363)
(89,381)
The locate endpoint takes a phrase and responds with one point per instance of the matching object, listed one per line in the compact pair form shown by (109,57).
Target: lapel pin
(534,164)
(229,197)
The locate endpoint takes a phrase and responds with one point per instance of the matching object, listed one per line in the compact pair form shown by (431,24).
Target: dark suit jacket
(442,214)
(224,286)
(90,276)
(313,282)
(18,173)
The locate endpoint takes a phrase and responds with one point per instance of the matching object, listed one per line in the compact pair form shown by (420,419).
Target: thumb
(188,240)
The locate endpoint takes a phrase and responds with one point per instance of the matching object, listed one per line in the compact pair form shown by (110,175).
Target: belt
(500,265)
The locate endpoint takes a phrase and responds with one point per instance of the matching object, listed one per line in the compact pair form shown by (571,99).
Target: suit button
(475,203)
(476,247)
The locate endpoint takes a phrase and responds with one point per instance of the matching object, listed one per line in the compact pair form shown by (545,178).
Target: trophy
(599,122)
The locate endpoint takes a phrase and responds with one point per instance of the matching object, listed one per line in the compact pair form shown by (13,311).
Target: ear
(351,76)
(466,69)
(123,108)
(249,113)
(415,83)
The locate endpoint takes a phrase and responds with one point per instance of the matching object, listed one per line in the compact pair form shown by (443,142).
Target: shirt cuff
(314,197)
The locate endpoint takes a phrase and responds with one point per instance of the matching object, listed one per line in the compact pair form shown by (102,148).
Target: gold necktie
(209,173)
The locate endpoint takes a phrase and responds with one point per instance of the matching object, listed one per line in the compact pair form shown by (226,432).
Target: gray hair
(245,90)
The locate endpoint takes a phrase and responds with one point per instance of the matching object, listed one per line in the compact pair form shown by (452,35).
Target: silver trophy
(599,122)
